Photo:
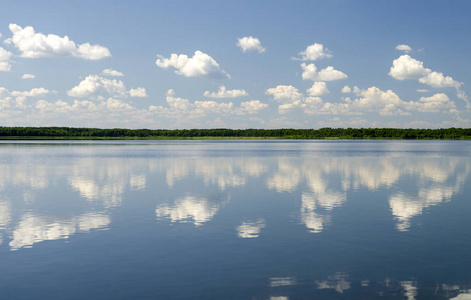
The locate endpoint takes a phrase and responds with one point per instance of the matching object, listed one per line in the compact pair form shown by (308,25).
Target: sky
(235,64)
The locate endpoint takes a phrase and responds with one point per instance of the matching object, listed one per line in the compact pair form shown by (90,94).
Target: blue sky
(235,64)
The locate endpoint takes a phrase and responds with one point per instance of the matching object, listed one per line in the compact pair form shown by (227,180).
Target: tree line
(285,133)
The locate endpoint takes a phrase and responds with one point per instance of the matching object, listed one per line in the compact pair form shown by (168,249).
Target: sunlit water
(235,220)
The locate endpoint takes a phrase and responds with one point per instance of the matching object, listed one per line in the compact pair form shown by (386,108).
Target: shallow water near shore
(268,219)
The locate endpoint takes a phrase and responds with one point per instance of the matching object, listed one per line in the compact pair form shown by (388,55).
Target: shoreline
(157,138)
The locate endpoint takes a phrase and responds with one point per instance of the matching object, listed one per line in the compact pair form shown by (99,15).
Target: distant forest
(322,133)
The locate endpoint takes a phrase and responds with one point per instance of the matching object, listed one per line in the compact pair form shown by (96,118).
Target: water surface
(235,220)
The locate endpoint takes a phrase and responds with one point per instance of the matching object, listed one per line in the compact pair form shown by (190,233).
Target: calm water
(235,220)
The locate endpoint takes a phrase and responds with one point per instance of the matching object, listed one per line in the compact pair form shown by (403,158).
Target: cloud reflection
(224,172)
(34,229)
(322,182)
(410,289)
(325,182)
(250,229)
(5,216)
(188,209)
(282,281)
(336,282)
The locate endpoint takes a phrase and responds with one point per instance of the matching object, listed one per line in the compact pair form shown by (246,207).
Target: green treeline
(322,133)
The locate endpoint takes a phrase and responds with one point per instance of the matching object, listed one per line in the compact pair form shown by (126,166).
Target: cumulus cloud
(85,109)
(35,44)
(328,74)
(405,48)
(200,65)
(5,57)
(314,52)
(138,93)
(214,107)
(310,105)
(28,76)
(375,99)
(19,101)
(436,103)
(284,93)
(438,80)
(93,85)
(372,99)
(290,98)
(319,88)
(179,105)
(5,66)
(405,67)
(35,92)
(225,93)
(389,103)
(111,72)
(346,90)
(252,107)
(249,44)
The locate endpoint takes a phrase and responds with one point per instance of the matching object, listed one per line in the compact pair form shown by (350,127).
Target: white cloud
(314,52)
(97,87)
(177,103)
(93,85)
(84,108)
(5,57)
(405,67)
(405,48)
(35,92)
(35,45)
(250,43)
(290,98)
(225,93)
(252,107)
(327,74)
(138,93)
(374,99)
(92,52)
(111,72)
(200,65)
(319,88)
(214,107)
(284,93)
(308,104)
(178,106)
(356,90)
(389,103)
(5,66)
(346,90)
(28,76)
(435,103)
(438,80)
(422,91)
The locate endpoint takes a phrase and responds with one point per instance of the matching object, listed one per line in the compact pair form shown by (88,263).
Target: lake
(278,220)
